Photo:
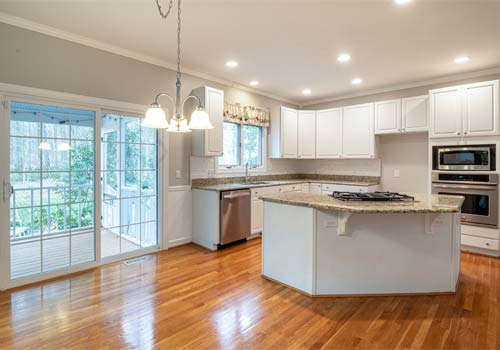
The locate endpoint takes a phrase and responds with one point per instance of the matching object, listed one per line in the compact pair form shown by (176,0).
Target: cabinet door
(215,107)
(446,112)
(289,122)
(329,133)
(481,109)
(257,215)
(358,139)
(414,114)
(307,134)
(388,117)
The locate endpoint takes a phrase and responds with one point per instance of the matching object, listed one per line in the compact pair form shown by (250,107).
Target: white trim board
(12,90)
(117,50)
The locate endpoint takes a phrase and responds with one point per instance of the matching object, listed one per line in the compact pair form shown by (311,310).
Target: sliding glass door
(52,216)
(81,186)
(129,166)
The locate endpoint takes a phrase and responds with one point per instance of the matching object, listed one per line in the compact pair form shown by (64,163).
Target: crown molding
(441,80)
(117,50)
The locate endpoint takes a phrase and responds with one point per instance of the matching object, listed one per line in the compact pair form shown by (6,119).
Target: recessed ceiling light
(306,92)
(356,81)
(344,57)
(402,2)
(231,64)
(254,83)
(462,59)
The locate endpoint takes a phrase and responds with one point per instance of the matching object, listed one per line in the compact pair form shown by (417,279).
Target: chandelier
(155,116)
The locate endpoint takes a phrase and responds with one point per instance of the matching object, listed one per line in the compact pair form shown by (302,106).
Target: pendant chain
(164,15)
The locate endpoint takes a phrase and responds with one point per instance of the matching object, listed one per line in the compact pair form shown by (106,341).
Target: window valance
(238,113)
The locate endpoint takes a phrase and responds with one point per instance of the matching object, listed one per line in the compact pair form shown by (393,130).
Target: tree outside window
(242,144)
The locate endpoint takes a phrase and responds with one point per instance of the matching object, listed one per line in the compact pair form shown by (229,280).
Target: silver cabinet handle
(463,187)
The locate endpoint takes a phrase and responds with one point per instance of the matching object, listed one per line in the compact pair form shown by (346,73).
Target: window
(242,144)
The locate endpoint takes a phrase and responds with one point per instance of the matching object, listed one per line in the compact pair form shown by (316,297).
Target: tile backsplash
(204,167)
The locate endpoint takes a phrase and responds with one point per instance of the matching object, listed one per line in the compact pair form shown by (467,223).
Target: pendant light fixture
(155,116)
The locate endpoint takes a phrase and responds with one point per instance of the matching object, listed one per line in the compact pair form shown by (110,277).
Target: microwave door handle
(464,187)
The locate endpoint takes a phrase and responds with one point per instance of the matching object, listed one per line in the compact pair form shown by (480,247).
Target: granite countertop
(424,203)
(243,186)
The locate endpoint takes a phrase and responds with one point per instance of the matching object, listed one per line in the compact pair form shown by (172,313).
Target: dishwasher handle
(236,195)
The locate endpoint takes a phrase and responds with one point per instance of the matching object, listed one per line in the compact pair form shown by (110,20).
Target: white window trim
(240,169)
(9,92)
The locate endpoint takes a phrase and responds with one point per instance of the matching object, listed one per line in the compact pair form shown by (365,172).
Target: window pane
(132,154)
(82,187)
(148,157)
(55,188)
(252,145)
(56,156)
(55,122)
(110,156)
(82,125)
(132,130)
(25,119)
(148,135)
(231,142)
(26,188)
(82,155)
(24,154)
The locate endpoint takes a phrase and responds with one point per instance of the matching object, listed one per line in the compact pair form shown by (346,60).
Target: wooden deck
(191,298)
(28,259)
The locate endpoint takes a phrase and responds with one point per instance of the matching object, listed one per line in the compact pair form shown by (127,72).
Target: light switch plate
(396,173)
(178,174)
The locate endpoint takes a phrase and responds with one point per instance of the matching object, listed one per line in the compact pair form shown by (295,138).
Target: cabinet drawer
(263,191)
(344,188)
(289,188)
(480,242)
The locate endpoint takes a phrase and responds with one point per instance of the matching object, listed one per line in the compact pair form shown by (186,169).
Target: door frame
(9,92)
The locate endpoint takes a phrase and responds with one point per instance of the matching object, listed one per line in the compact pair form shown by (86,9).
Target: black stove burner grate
(372,196)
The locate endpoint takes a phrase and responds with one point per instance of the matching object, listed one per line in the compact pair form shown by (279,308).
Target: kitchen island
(322,246)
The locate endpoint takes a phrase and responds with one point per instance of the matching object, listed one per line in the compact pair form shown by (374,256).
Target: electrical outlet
(178,174)
(395,173)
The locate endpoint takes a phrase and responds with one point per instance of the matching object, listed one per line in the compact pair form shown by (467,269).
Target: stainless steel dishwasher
(234,216)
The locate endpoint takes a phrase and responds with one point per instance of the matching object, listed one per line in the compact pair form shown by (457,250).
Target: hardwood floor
(190,298)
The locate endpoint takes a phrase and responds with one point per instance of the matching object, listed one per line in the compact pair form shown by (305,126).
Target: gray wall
(36,60)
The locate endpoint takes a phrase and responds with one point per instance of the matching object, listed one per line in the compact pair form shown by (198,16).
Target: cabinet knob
(487,243)
(465,133)
(458,133)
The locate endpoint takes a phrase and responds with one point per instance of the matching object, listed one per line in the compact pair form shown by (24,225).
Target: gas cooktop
(372,196)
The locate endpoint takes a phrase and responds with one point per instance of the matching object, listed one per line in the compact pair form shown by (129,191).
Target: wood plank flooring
(189,298)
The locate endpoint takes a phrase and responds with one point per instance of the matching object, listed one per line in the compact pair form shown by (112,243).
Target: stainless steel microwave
(464,158)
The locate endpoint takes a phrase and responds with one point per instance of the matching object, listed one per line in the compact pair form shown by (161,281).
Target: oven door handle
(464,187)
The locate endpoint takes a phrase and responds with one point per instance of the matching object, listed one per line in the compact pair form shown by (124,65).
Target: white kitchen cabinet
(414,114)
(284,137)
(400,116)
(446,112)
(257,215)
(329,133)
(209,142)
(358,139)
(306,134)
(388,117)
(465,110)
(480,115)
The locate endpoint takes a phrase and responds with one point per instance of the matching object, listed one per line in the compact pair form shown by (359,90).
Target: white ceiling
(291,45)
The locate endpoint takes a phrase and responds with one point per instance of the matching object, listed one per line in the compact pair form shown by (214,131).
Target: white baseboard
(179,241)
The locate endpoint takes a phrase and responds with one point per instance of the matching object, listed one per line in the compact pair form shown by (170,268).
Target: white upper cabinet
(306,134)
(481,109)
(209,142)
(466,110)
(329,133)
(398,116)
(358,139)
(388,117)
(289,132)
(446,112)
(414,114)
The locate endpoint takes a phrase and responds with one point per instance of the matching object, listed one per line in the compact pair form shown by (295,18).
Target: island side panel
(386,254)
(206,216)
(288,245)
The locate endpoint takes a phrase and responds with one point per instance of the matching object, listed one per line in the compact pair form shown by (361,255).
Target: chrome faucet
(247,175)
